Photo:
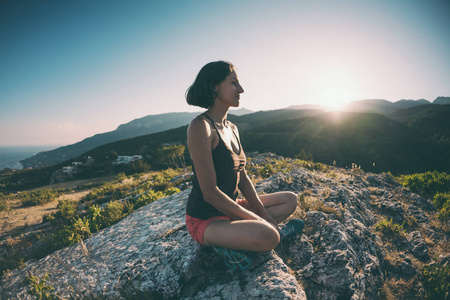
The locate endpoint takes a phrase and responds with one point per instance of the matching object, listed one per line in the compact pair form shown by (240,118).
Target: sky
(71,69)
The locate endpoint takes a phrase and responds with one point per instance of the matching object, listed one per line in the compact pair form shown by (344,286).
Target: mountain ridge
(159,123)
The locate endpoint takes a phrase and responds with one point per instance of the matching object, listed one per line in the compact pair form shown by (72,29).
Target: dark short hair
(202,91)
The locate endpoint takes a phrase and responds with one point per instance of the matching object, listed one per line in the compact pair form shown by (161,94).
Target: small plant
(390,229)
(40,288)
(427,184)
(437,282)
(432,185)
(4,205)
(308,203)
(38,197)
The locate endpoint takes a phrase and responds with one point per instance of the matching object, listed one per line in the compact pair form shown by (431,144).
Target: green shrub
(440,199)
(66,209)
(427,184)
(390,229)
(40,288)
(433,185)
(72,234)
(444,213)
(437,282)
(38,197)
(113,212)
(4,205)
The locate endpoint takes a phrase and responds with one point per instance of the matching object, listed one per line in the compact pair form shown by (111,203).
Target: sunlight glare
(337,88)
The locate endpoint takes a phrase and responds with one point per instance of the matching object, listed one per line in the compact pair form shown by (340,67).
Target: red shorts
(197,227)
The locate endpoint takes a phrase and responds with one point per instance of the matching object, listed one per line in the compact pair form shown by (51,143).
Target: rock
(340,255)
(152,254)
(417,246)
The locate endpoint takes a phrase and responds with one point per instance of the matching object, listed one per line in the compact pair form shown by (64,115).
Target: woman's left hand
(265,215)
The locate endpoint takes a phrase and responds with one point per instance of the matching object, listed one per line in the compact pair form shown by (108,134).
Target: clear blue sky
(71,69)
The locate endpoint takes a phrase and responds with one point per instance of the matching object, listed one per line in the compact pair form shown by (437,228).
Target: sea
(10,156)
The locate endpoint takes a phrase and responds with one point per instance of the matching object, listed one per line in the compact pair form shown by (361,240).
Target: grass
(390,229)
(38,197)
(308,203)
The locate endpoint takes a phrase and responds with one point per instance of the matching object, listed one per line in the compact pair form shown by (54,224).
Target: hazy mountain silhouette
(142,126)
(382,106)
(158,123)
(442,100)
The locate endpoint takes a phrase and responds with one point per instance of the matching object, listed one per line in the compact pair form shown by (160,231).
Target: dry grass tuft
(309,203)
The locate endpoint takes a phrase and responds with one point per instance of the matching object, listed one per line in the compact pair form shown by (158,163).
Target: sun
(336,88)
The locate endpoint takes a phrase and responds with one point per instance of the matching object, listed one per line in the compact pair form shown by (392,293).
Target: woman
(214,215)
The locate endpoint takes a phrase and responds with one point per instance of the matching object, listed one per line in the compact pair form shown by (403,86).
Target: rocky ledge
(341,255)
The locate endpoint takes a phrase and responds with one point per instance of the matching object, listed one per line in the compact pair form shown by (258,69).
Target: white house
(126,159)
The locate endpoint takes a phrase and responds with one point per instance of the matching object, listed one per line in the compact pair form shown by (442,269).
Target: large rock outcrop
(150,255)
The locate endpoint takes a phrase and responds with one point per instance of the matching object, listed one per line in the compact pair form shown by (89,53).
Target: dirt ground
(13,221)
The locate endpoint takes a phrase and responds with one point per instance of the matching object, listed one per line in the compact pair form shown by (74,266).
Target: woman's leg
(279,205)
(252,235)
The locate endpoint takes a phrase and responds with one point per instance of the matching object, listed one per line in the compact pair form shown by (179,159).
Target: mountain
(158,123)
(382,106)
(138,127)
(146,125)
(442,100)
(306,106)
(366,237)
(402,104)
(348,137)
(369,105)
(432,121)
(240,112)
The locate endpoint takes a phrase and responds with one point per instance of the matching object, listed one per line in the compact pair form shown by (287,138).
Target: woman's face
(228,91)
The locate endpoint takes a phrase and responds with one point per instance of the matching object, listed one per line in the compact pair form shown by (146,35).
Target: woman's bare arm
(248,191)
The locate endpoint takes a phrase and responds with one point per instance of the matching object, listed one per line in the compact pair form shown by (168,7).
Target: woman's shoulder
(199,124)
(198,121)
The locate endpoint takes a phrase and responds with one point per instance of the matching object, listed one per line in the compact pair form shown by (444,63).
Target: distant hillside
(382,106)
(442,100)
(346,138)
(433,121)
(138,127)
(158,123)
(146,125)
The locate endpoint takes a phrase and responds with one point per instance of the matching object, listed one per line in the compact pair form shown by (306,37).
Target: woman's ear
(216,90)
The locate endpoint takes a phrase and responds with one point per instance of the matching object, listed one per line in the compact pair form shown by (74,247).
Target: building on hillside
(68,170)
(126,159)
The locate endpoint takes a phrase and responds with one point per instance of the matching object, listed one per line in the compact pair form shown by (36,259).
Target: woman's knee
(291,201)
(267,238)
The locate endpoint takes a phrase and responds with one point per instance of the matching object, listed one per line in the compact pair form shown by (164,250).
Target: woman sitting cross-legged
(214,215)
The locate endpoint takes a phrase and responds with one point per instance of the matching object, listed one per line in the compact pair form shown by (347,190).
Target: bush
(40,288)
(427,184)
(39,197)
(4,205)
(66,213)
(72,234)
(67,208)
(113,212)
(433,185)
(441,199)
(437,282)
(390,229)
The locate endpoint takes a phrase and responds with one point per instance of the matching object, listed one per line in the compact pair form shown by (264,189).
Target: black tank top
(228,166)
